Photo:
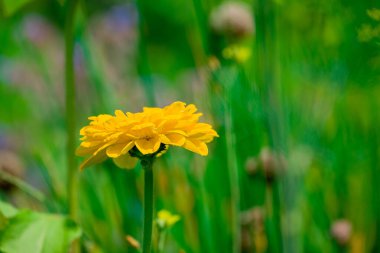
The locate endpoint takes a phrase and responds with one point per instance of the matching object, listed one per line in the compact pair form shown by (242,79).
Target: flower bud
(272,163)
(251,166)
(253,216)
(341,231)
(165,219)
(253,231)
(133,242)
(232,19)
(213,63)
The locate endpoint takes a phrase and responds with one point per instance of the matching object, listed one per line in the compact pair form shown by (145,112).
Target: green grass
(310,92)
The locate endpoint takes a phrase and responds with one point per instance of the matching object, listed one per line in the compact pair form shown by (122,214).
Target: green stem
(161,240)
(72,171)
(148,204)
(232,160)
(143,66)
(234,184)
(202,24)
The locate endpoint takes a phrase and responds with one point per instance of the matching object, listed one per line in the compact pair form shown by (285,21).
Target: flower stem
(72,173)
(161,240)
(234,183)
(202,24)
(72,170)
(148,204)
(143,66)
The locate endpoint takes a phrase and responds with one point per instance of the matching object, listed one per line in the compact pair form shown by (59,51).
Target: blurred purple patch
(117,25)
(37,30)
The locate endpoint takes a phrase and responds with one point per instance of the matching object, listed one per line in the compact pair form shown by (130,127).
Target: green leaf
(34,232)
(12,6)
(7,210)
(3,221)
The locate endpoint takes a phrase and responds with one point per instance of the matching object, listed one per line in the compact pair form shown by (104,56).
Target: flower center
(147,138)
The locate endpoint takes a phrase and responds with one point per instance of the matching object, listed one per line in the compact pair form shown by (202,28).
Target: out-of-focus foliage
(12,6)
(27,231)
(294,95)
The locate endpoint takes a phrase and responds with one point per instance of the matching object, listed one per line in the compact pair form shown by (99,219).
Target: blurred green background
(292,88)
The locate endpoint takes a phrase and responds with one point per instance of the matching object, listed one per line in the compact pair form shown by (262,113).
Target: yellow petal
(144,127)
(117,150)
(190,108)
(175,107)
(173,139)
(126,161)
(104,146)
(89,144)
(148,146)
(173,219)
(120,114)
(196,146)
(94,159)
(166,219)
(82,151)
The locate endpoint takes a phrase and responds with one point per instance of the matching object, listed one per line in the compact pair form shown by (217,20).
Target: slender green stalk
(22,185)
(72,174)
(230,78)
(202,24)
(268,76)
(234,180)
(143,66)
(72,170)
(161,240)
(148,204)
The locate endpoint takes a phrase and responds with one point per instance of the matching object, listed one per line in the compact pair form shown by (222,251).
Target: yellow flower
(165,219)
(237,53)
(128,136)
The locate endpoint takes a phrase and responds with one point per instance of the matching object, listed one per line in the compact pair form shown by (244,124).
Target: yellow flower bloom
(165,219)
(122,136)
(237,53)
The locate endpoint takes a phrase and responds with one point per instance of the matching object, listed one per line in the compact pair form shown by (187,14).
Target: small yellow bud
(133,242)
(165,219)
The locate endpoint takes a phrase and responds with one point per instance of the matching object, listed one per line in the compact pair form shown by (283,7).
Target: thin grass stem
(72,170)
(22,185)
(70,107)
(148,205)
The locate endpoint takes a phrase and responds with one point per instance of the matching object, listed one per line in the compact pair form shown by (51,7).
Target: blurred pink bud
(232,19)
(251,166)
(341,231)
(273,163)
(254,216)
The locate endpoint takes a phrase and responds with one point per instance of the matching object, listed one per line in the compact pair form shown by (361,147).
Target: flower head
(165,219)
(233,19)
(341,231)
(237,53)
(128,136)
